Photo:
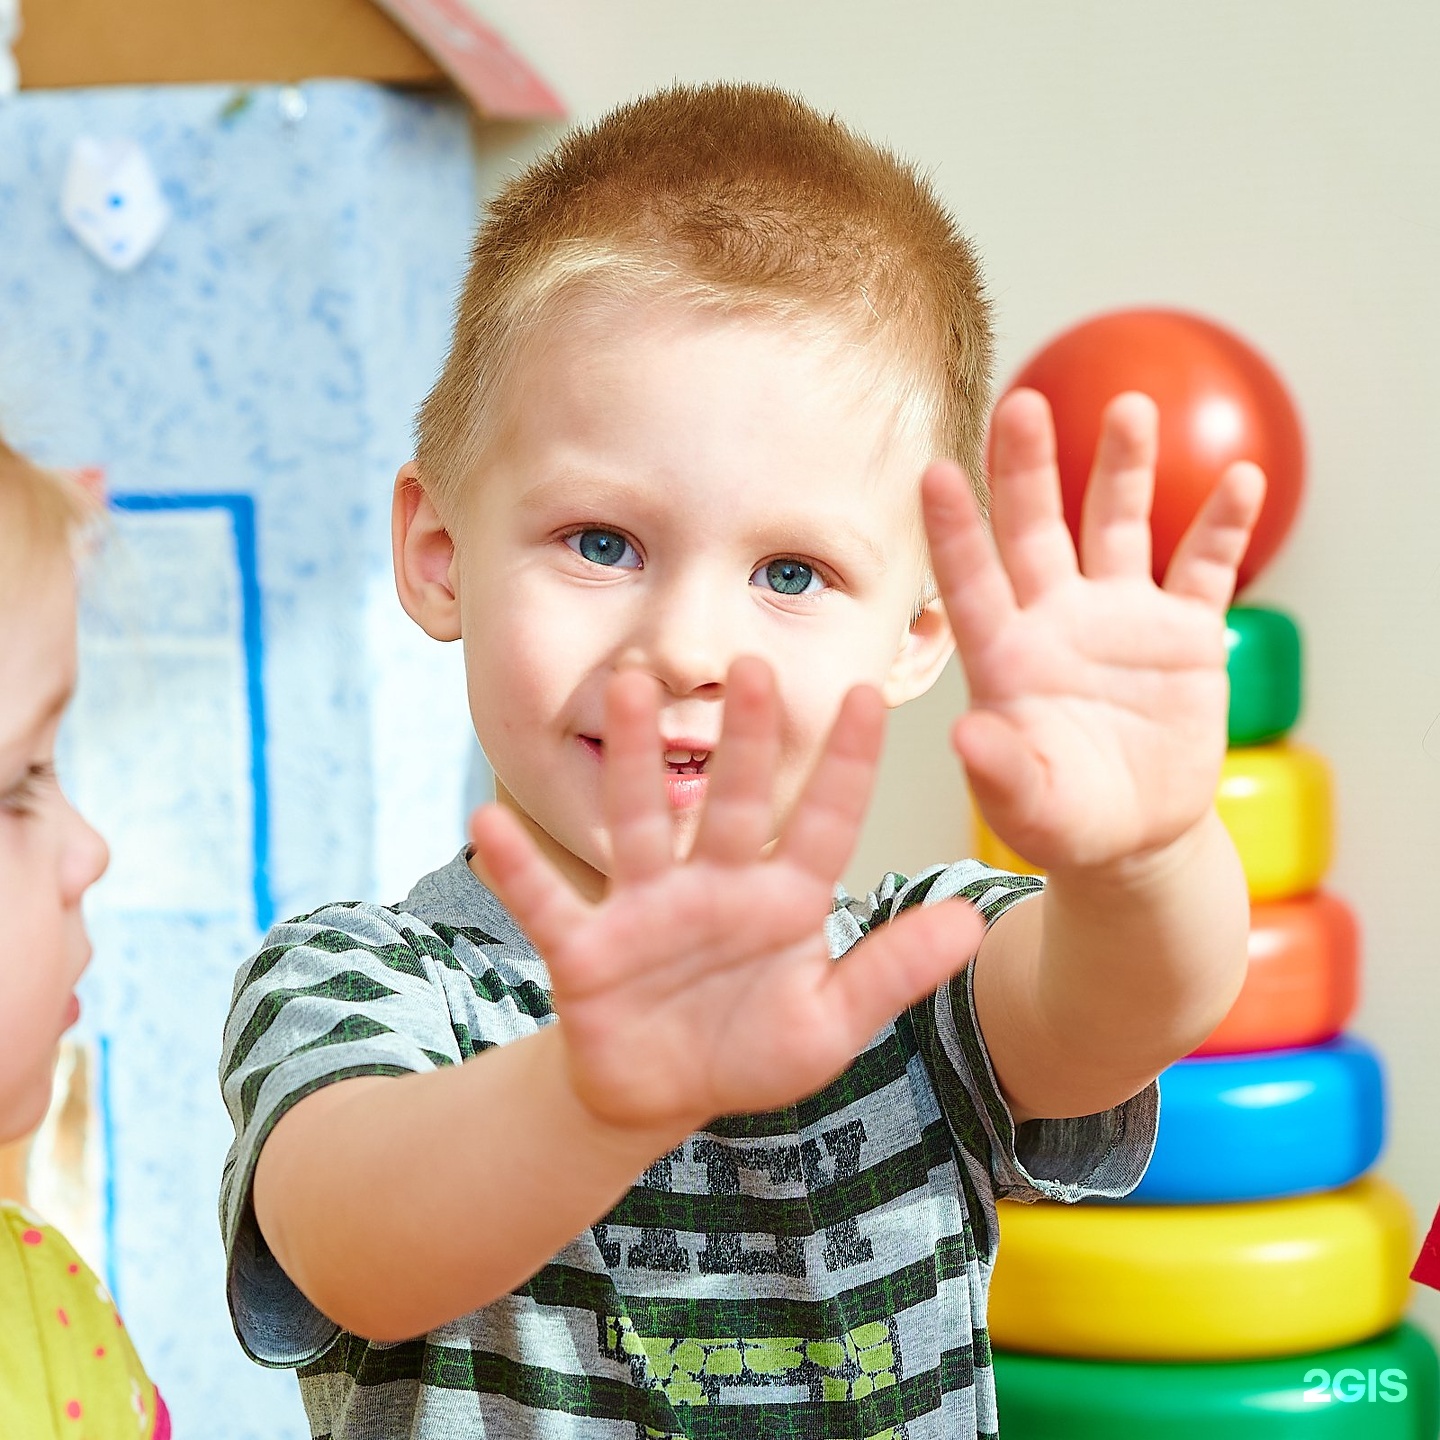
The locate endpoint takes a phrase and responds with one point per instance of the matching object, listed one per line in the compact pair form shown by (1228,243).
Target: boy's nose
(684,640)
(679,670)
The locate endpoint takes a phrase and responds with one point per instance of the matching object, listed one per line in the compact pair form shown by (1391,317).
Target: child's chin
(23,1108)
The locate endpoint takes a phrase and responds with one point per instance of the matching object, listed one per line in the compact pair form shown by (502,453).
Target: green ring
(1042,1398)
(1264,667)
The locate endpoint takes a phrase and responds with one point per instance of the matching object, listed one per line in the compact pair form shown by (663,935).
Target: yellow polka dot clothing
(67,1368)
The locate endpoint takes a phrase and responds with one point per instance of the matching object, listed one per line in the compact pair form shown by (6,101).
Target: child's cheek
(29,879)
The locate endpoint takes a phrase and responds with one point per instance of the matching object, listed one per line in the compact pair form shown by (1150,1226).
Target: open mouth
(677,762)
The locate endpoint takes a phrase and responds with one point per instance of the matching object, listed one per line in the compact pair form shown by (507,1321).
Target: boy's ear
(927,645)
(425,570)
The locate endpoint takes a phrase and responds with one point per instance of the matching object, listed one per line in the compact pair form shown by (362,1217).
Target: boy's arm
(1087,991)
(1093,748)
(396,1204)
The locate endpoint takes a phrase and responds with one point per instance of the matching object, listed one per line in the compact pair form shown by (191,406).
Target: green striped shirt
(819,1271)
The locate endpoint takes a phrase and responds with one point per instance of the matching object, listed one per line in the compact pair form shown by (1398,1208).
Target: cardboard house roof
(404,42)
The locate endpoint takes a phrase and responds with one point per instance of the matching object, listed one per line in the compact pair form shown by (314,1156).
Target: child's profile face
(49,856)
(676,490)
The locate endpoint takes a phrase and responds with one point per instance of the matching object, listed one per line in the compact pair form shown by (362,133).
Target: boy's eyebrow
(572,489)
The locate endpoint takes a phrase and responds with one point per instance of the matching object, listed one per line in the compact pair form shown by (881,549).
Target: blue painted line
(242,517)
(107,1134)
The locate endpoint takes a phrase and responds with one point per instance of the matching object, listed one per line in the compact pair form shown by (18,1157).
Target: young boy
(591,1136)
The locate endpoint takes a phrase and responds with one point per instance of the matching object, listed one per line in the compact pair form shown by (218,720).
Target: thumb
(901,962)
(1006,779)
(507,860)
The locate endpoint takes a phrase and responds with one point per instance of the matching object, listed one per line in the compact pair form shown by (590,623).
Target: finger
(976,590)
(1210,551)
(632,779)
(899,963)
(820,833)
(1115,515)
(543,902)
(1025,508)
(739,813)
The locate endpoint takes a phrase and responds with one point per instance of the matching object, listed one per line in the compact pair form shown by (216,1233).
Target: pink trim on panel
(492,76)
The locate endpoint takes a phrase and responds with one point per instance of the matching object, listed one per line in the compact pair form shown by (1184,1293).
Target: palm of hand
(1117,694)
(1099,699)
(719,1009)
(705,987)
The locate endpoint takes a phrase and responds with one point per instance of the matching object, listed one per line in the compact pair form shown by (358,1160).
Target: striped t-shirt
(819,1271)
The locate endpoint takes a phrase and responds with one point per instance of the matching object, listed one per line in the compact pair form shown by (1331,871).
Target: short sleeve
(341,993)
(1054,1159)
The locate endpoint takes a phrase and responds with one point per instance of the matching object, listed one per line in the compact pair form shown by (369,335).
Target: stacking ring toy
(1275,801)
(1277,1122)
(1219,1282)
(1387,1388)
(1264,667)
(1301,982)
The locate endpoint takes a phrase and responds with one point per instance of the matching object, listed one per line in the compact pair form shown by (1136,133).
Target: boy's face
(49,856)
(676,490)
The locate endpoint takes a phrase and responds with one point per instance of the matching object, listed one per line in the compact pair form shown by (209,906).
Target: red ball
(1219,402)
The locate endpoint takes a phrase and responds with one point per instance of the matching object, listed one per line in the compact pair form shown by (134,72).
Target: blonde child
(67,1367)
(629,1122)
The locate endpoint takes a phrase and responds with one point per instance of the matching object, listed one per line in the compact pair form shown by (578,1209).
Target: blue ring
(1266,1124)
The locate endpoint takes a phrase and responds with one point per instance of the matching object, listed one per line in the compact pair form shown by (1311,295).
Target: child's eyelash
(822,571)
(21,797)
(569,535)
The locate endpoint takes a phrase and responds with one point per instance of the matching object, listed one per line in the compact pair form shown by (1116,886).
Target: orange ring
(1303,978)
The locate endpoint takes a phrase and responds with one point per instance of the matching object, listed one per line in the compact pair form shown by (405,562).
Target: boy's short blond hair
(739,199)
(43,515)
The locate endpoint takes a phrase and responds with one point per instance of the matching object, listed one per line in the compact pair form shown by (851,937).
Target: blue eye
(786,576)
(600,547)
(790,576)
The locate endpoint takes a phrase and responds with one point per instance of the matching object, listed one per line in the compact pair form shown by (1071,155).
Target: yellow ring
(1202,1282)
(1275,801)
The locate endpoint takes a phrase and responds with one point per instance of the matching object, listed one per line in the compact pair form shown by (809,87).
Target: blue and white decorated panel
(169,727)
(247,733)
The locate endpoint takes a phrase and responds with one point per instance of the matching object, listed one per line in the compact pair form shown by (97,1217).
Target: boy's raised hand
(1099,699)
(705,987)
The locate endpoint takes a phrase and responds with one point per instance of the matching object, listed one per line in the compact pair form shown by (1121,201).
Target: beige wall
(1273,165)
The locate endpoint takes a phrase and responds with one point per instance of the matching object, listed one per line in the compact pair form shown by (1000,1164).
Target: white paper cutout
(9,34)
(292,105)
(112,201)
